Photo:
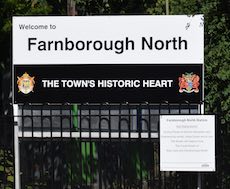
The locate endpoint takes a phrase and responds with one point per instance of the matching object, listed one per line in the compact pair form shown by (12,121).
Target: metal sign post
(167,7)
(199,178)
(199,181)
(16,149)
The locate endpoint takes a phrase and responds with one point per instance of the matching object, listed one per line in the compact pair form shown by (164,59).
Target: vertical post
(71,10)
(16,149)
(199,177)
(199,181)
(167,7)
(74,116)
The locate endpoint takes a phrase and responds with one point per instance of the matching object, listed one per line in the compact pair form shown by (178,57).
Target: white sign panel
(108,40)
(187,143)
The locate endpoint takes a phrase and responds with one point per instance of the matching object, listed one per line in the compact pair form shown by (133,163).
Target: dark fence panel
(99,147)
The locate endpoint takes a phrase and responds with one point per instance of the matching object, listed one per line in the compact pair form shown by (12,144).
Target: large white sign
(108,40)
(187,143)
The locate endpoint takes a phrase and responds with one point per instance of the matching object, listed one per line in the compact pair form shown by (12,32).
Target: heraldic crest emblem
(189,82)
(25,83)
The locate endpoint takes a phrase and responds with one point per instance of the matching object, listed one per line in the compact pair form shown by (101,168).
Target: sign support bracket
(199,177)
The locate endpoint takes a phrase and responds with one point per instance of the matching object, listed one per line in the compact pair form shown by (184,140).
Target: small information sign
(187,143)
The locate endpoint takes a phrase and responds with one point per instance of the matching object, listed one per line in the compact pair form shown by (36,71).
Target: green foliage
(9,8)
(6,169)
(176,7)
(98,7)
(217,48)
(217,57)
(185,7)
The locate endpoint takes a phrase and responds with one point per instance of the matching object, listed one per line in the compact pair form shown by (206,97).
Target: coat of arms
(189,82)
(25,83)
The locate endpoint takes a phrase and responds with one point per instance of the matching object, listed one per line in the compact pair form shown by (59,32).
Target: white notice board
(147,39)
(187,143)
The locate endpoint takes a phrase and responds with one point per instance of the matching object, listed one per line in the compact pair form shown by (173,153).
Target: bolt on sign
(108,59)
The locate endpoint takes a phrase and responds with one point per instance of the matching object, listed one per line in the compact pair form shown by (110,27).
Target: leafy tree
(217,47)
(217,57)
(9,8)
(217,76)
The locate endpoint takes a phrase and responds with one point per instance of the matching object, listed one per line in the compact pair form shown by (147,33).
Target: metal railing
(98,146)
